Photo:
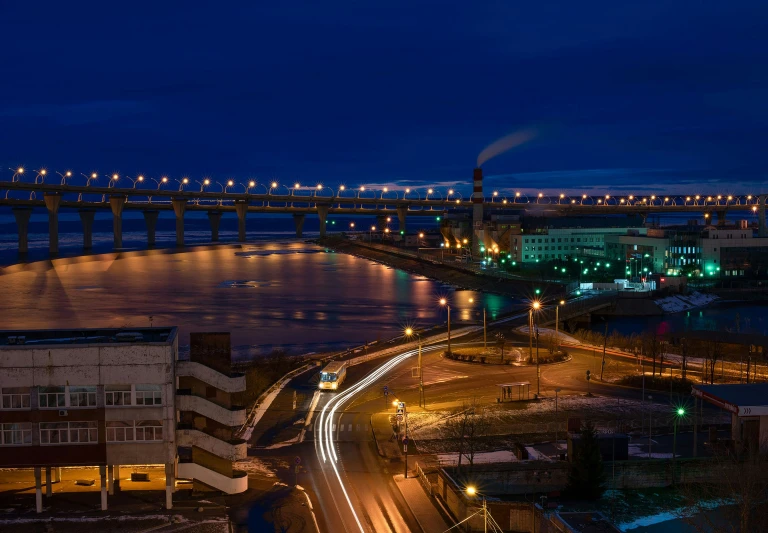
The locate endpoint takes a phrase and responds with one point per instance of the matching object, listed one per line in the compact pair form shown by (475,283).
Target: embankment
(444,273)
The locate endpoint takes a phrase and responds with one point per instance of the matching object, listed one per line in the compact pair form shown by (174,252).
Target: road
(355,489)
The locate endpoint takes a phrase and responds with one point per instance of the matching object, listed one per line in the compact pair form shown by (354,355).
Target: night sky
(625,96)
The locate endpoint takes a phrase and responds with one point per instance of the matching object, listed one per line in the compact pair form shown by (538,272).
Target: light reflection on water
(294,296)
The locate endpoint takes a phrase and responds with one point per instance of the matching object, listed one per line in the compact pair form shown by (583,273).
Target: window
(120,431)
(149,430)
(82,396)
(149,395)
(210,392)
(68,432)
(117,395)
(15,434)
(52,397)
(15,398)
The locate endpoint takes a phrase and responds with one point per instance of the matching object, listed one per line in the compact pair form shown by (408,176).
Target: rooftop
(47,337)
(587,522)
(742,399)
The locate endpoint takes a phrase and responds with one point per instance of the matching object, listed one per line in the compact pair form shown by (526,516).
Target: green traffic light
(437,218)
(402,233)
(680,411)
(538,291)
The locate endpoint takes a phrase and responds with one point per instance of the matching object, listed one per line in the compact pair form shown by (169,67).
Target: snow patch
(502,456)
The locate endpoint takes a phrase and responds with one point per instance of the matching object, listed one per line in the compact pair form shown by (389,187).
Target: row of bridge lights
(42,173)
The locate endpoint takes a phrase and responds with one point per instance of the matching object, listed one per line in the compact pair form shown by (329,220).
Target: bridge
(24,196)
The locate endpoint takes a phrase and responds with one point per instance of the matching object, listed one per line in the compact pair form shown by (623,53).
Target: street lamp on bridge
(67,174)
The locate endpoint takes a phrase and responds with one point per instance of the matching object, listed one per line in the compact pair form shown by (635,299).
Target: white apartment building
(549,244)
(112,398)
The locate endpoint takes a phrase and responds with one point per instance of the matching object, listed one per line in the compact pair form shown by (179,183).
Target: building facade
(111,398)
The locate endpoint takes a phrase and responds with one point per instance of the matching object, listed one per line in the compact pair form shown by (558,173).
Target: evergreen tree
(586,478)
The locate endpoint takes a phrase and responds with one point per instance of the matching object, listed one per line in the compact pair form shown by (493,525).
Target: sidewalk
(382,435)
(429,518)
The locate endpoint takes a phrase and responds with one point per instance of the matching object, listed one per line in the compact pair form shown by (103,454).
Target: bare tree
(465,430)
(740,485)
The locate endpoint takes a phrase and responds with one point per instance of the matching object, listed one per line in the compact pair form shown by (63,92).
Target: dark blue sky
(622,95)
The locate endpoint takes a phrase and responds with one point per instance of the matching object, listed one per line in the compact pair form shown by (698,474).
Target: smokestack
(477,210)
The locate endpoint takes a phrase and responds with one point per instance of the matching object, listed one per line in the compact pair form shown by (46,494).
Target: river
(289,295)
(752,317)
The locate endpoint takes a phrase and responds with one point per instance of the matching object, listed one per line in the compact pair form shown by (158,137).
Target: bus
(332,375)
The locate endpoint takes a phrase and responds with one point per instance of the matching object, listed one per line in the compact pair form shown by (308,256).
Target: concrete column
(22,214)
(150,218)
(117,477)
(322,212)
(170,474)
(298,221)
(103,476)
(720,218)
(57,474)
(117,203)
(110,480)
(48,487)
(52,203)
(38,490)
(86,217)
(401,214)
(179,207)
(762,231)
(214,217)
(241,206)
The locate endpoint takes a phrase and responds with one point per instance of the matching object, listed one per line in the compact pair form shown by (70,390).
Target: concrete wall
(83,364)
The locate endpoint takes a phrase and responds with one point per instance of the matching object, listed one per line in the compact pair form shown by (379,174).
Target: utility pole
(405,441)
(605,343)
(485,334)
(530,334)
(538,370)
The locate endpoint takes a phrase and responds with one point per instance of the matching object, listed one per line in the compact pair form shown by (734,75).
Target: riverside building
(112,398)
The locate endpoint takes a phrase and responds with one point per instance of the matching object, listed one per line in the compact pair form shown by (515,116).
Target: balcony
(185,401)
(229,485)
(233,450)
(234,383)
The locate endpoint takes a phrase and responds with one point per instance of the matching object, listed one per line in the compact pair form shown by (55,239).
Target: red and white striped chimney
(477,209)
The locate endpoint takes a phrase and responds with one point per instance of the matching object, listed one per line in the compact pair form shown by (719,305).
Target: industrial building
(112,398)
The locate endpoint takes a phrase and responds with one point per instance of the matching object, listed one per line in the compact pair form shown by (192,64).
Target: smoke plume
(505,143)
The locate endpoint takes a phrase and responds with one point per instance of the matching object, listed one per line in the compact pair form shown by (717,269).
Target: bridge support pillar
(52,203)
(22,214)
(241,206)
(179,208)
(298,221)
(150,218)
(720,218)
(322,213)
(381,222)
(86,217)
(401,214)
(117,203)
(214,217)
(762,231)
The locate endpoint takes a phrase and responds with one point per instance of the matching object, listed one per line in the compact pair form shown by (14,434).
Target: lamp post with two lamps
(533,329)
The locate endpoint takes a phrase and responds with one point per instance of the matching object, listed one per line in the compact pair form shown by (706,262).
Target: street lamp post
(680,412)
(444,302)
(472,491)
(535,307)
(557,324)
(422,399)
(557,450)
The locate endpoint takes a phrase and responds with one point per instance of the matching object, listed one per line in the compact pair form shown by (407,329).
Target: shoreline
(442,273)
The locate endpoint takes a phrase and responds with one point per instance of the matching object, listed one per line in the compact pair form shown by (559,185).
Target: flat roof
(740,399)
(588,522)
(518,384)
(14,339)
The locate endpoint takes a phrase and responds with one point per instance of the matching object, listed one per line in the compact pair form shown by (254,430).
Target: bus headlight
(334,385)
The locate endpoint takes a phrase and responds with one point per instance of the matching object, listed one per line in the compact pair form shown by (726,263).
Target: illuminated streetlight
(445,303)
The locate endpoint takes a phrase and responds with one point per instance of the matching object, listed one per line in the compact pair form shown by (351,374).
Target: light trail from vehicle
(325,432)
